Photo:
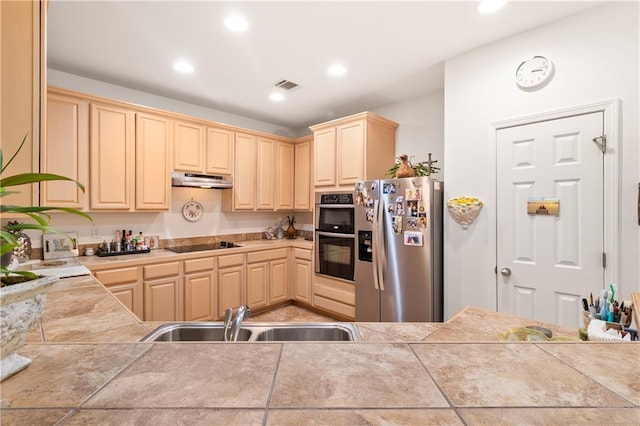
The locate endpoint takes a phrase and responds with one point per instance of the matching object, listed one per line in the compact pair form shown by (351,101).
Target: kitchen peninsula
(89,368)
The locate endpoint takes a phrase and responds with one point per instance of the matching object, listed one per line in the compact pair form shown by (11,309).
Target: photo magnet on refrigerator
(397,224)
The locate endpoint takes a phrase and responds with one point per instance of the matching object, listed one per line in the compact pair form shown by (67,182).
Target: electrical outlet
(94,232)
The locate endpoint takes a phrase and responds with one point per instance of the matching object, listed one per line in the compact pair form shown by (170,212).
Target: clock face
(192,211)
(534,72)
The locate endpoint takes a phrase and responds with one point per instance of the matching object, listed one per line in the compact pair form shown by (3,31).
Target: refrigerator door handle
(374,243)
(380,252)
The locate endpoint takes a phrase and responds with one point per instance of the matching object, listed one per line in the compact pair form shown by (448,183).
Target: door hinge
(601,141)
(495,270)
(604,260)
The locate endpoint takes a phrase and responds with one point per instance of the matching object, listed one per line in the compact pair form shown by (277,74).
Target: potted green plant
(404,168)
(22,293)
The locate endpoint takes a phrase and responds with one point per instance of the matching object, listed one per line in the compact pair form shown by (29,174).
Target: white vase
(21,307)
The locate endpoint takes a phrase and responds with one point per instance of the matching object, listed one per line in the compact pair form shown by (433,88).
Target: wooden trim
(366,115)
(169,114)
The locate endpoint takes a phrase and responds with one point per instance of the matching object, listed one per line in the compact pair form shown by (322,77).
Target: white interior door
(547,263)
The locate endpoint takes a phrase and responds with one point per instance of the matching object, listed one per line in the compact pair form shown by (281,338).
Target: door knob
(505,272)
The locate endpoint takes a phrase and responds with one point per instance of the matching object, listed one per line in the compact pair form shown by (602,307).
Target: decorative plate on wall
(192,211)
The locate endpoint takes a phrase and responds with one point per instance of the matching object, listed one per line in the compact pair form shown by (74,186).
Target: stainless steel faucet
(232,323)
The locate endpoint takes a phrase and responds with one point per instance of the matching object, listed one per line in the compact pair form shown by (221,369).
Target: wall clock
(534,73)
(192,211)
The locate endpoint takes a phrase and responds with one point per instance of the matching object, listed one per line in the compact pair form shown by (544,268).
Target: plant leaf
(14,155)
(26,210)
(25,178)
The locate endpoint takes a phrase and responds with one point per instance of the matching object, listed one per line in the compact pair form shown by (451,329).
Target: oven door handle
(334,234)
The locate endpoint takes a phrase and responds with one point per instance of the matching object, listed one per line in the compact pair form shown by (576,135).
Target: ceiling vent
(286,85)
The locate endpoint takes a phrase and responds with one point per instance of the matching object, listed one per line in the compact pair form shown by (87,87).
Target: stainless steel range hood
(195,180)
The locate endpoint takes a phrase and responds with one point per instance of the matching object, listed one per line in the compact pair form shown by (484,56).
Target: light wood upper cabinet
(219,151)
(265,179)
(303,188)
(65,150)
(188,151)
(153,162)
(350,149)
(22,73)
(111,161)
(243,194)
(358,147)
(284,176)
(324,155)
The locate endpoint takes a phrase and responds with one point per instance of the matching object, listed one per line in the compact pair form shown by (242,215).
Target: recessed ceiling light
(337,69)
(490,6)
(277,97)
(236,23)
(183,67)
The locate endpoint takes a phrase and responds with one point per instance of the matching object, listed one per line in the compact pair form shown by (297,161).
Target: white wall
(421,127)
(596,56)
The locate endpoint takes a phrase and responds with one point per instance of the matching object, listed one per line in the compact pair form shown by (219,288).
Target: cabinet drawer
(118,276)
(299,253)
(230,260)
(263,256)
(161,270)
(333,306)
(196,265)
(344,293)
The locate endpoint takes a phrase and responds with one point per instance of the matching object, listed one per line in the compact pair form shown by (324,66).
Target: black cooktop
(203,247)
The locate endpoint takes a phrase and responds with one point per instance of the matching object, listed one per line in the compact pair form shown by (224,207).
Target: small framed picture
(413,238)
(57,246)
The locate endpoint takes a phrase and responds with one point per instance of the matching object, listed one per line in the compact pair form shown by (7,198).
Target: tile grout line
(273,385)
(115,375)
(437,385)
(586,375)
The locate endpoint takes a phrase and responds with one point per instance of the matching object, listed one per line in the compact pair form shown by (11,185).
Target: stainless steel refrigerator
(398,266)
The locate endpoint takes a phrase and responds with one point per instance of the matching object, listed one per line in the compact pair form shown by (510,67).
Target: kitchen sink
(192,332)
(255,332)
(308,333)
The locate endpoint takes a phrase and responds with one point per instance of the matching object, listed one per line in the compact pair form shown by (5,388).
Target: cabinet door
(244,186)
(130,295)
(284,172)
(266,171)
(162,300)
(126,285)
(302,179)
(188,147)
(258,284)
(21,64)
(278,280)
(65,150)
(111,161)
(219,151)
(324,157)
(230,282)
(200,297)
(350,152)
(302,277)
(153,162)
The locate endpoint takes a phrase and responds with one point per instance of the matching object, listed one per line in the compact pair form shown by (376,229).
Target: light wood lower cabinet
(267,277)
(200,290)
(231,281)
(302,275)
(163,292)
(335,296)
(126,285)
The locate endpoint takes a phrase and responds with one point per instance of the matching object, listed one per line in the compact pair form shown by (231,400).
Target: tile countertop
(88,368)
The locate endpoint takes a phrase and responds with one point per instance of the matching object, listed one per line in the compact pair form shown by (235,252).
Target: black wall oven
(335,235)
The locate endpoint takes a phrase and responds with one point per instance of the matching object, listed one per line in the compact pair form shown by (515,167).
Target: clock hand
(537,70)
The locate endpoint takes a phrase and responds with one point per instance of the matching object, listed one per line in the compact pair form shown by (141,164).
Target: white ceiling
(392,50)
